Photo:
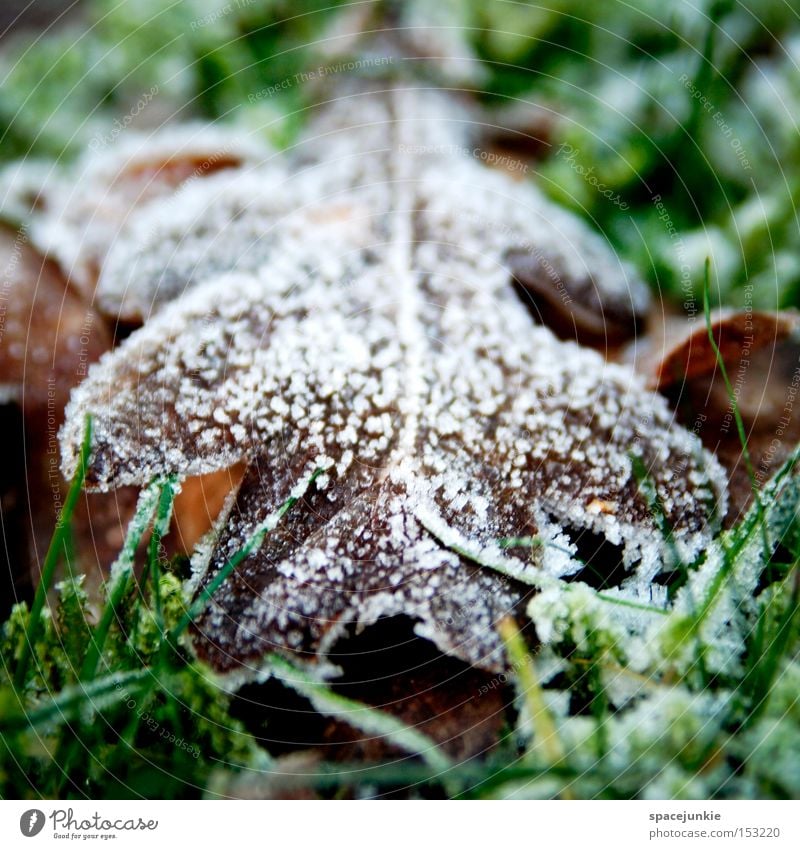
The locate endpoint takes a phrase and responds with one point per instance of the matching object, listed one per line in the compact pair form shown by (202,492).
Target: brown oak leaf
(354,307)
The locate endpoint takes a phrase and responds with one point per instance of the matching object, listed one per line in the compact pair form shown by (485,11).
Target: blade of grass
(73,701)
(28,645)
(632,605)
(766,665)
(545,731)
(531,542)
(252,544)
(519,542)
(152,571)
(161,523)
(361,716)
(121,573)
(733,545)
(160,529)
(476,776)
(739,539)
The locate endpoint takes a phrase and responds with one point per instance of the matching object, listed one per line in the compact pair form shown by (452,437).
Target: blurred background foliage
(693,102)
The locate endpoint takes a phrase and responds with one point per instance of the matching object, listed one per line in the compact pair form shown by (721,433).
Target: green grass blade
(252,544)
(767,661)
(51,560)
(121,573)
(545,731)
(152,571)
(361,716)
(72,702)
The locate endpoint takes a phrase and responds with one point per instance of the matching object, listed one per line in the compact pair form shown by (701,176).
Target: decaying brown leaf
(761,354)
(49,337)
(49,334)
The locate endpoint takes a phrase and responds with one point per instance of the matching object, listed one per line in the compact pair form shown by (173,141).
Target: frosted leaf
(761,352)
(86,206)
(347,556)
(376,332)
(239,363)
(338,172)
(568,277)
(231,221)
